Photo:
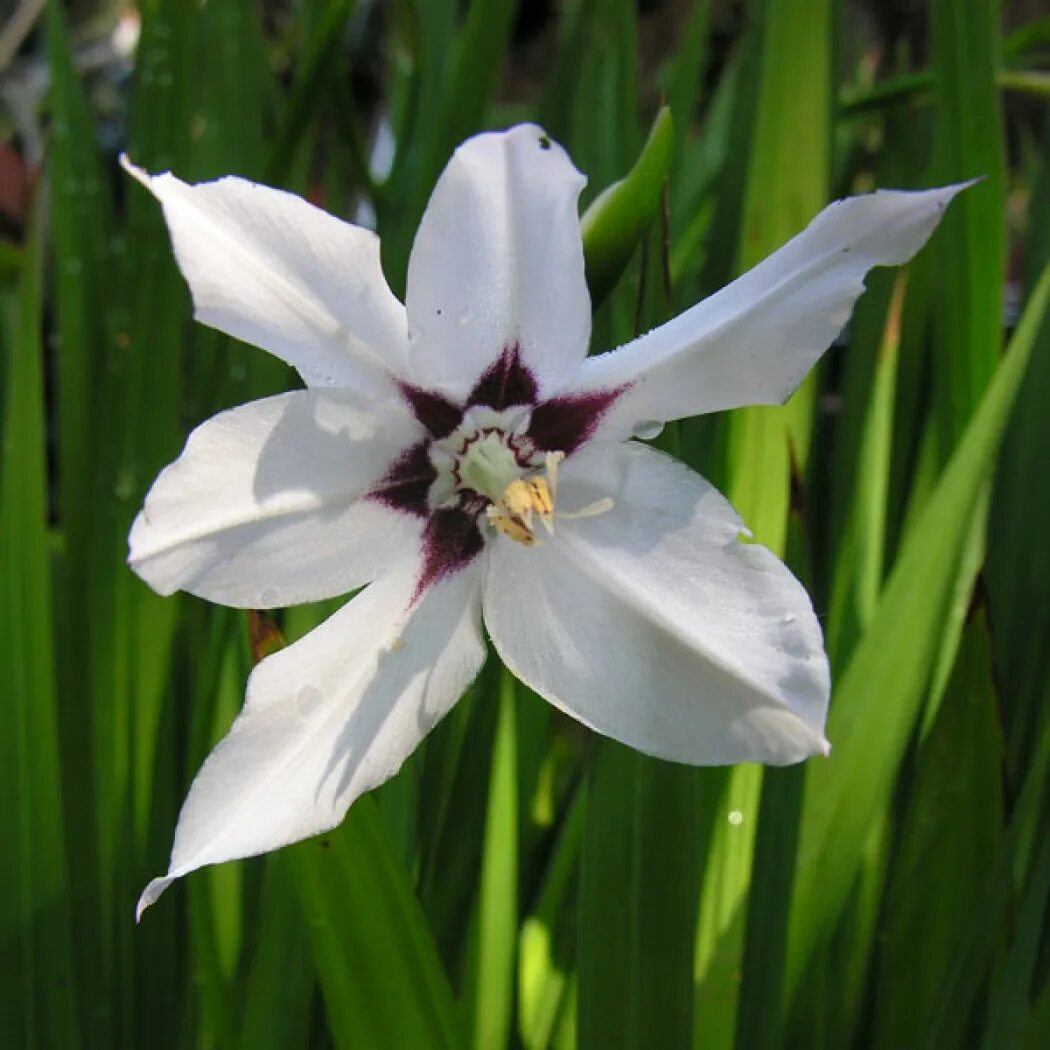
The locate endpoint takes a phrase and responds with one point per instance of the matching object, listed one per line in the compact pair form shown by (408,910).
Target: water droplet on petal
(788,618)
(647,429)
(269,598)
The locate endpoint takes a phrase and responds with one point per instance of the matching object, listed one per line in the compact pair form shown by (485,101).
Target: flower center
(488,466)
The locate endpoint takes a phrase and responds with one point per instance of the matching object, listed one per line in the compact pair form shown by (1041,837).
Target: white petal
(330,717)
(655,625)
(262,508)
(498,260)
(269,268)
(754,341)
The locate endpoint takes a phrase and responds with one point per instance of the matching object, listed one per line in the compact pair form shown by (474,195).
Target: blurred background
(521,883)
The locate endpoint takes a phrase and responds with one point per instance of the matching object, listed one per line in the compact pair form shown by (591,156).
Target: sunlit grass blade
(38,1000)
(787,184)
(859,553)
(729,805)
(548,942)
(495,955)
(879,696)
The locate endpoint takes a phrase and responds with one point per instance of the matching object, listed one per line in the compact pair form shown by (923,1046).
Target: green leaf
(638,893)
(620,215)
(787,184)
(38,996)
(878,699)
(949,834)
(971,244)
(1018,557)
(382,980)
(494,982)
(859,552)
(547,945)
(978,937)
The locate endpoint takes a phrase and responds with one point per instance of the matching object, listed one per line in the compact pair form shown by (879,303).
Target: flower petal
(267,267)
(754,341)
(330,717)
(655,625)
(498,263)
(262,508)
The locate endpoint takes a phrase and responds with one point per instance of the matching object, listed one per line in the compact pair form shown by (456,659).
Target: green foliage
(519,883)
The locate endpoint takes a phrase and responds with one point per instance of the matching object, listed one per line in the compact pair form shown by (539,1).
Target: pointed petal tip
(137,173)
(151,894)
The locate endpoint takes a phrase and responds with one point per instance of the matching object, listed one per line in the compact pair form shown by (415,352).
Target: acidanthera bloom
(463,456)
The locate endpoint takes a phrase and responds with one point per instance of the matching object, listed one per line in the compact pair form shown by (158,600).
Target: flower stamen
(536,497)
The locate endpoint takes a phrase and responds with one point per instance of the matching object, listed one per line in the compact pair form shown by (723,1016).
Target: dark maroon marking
(405,485)
(439,416)
(564,423)
(451,539)
(507,381)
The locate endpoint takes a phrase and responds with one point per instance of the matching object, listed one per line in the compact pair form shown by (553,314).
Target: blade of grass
(637,895)
(547,945)
(494,983)
(950,829)
(1018,559)
(787,184)
(616,220)
(38,996)
(971,244)
(1009,1004)
(879,696)
(977,940)
(382,980)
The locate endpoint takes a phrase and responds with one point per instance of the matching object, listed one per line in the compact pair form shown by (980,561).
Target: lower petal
(654,624)
(330,717)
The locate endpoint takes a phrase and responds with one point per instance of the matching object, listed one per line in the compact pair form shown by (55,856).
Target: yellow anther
(517,498)
(512,526)
(541,495)
(535,496)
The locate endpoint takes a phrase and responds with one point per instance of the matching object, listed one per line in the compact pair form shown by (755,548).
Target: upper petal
(754,341)
(497,263)
(262,508)
(329,718)
(655,625)
(269,268)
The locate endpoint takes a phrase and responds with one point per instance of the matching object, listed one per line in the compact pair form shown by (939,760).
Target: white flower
(464,453)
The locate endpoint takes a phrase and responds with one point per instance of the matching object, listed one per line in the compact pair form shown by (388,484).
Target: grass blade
(879,697)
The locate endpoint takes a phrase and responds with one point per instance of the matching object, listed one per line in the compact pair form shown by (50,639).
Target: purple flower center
(453,536)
